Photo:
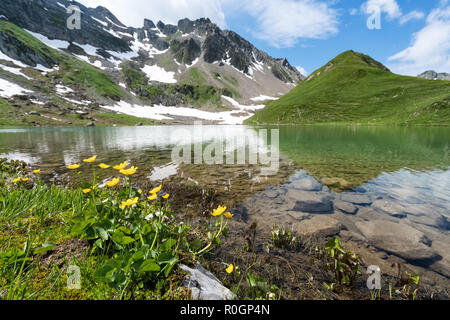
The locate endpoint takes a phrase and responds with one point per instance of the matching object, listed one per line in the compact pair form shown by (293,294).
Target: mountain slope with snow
(159,69)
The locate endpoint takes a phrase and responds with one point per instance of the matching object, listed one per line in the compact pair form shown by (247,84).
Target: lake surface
(389,186)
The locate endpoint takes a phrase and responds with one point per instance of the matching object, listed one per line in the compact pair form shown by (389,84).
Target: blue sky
(414,35)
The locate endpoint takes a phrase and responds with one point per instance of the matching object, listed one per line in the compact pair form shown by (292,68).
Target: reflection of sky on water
(33,145)
(410,187)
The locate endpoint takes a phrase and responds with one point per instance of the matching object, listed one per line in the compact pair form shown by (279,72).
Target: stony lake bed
(385,192)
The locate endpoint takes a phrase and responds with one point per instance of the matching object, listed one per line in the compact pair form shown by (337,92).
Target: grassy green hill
(354,88)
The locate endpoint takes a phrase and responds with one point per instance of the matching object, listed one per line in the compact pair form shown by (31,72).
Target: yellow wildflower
(90,160)
(25,179)
(74,166)
(129,203)
(86,191)
(129,172)
(166,196)
(121,166)
(228,215)
(113,182)
(17,180)
(230,269)
(103,166)
(219,211)
(156,190)
(38,171)
(152,197)
(140,191)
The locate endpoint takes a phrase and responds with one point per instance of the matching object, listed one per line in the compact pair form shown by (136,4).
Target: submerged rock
(311,202)
(346,207)
(319,225)
(306,184)
(356,198)
(204,285)
(399,239)
(390,207)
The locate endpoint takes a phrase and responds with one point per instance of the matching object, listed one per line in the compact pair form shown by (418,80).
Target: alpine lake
(385,190)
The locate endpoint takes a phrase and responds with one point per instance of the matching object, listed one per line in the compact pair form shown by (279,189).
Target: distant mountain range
(433,75)
(354,88)
(107,66)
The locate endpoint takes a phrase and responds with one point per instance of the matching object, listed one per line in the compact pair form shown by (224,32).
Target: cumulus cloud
(133,12)
(282,23)
(392,10)
(430,47)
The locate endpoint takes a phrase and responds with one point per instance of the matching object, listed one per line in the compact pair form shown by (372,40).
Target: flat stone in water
(306,184)
(346,207)
(390,207)
(399,239)
(356,198)
(311,202)
(319,225)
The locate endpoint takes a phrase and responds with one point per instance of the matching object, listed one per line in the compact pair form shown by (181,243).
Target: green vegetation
(72,71)
(354,88)
(124,245)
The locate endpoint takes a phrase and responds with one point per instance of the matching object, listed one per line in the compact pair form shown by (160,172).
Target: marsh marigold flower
(129,172)
(86,191)
(228,215)
(90,160)
(121,166)
(16,180)
(113,182)
(230,269)
(166,196)
(74,166)
(219,211)
(25,179)
(153,197)
(129,203)
(103,166)
(38,171)
(156,190)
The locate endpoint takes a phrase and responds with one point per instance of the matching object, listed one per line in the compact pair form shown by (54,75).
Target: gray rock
(346,207)
(34,113)
(390,207)
(308,184)
(356,198)
(91,124)
(204,285)
(399,239)
(319,225)
(311,202)
(140,124)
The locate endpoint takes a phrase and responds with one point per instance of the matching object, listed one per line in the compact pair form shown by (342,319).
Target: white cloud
(392,9)
(302,70)
(282,23)
(388,6)
(279,22)
(413,15)
(430,47)
(133,12)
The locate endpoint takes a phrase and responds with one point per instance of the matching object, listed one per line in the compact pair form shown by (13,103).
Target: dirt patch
(65,253)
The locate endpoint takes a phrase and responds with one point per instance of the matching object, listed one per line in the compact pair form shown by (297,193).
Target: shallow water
(357,175)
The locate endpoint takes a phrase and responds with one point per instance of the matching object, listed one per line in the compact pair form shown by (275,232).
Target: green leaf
(149,266)
(45,247)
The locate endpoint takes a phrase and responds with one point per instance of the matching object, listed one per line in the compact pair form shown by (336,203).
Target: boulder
(204,285)
(399,239)
(307,184)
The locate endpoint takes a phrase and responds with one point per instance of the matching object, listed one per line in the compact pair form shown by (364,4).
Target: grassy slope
(356,89)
